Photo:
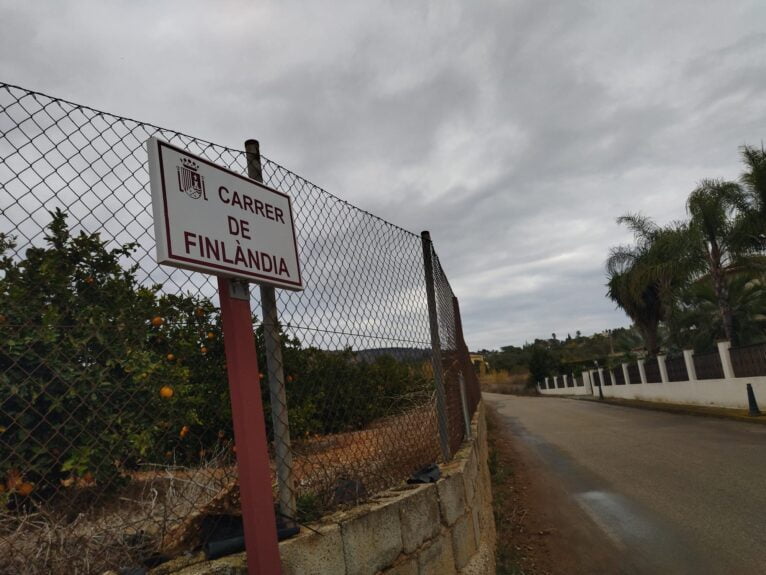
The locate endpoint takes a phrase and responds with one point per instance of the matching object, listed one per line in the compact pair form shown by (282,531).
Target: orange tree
(330,391)
(98,373)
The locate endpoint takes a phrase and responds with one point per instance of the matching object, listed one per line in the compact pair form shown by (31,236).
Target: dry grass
(501,381)
(157,511)
(84,532)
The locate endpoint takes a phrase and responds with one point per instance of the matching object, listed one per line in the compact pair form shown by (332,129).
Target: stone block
(463,540)
(482,563)
(451,491)
(314,553)
(373,540)
(437,558)
(476,524)
(231,565)
(175,565)
(419,516)
(407,567)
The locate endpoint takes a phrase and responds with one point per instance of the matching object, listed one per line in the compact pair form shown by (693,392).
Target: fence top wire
(364,275)
(13,87)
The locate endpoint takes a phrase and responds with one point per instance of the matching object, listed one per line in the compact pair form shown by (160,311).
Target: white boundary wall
(730,393)
(582,390)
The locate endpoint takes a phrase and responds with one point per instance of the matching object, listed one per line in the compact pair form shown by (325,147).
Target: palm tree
(644,278)
(696,321)
(713,207)
(752,224)
(754,178)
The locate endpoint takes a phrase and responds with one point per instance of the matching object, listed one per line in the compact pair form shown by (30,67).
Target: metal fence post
(462,350)
(275,367)
(436,348)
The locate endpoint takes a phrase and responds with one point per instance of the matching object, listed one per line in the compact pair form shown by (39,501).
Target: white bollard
(625,373)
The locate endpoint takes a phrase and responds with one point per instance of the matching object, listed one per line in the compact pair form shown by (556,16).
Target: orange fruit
(203,350)
(290,379)
(210,335)
(261,376)
(25,489)
(199,312)
(166,392)
(171,357)
(14,479)
(184,431)
(88,478)
(89,280)
(157,321)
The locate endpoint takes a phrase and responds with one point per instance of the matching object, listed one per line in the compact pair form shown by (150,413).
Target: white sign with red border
(213,220)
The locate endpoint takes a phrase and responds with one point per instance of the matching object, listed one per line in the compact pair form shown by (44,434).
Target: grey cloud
(515,131)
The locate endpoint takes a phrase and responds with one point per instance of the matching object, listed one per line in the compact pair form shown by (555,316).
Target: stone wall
(441,528)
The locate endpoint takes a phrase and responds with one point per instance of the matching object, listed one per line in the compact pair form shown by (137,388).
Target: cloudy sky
(515,131)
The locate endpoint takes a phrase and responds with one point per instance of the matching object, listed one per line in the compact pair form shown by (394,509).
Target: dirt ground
(541,530)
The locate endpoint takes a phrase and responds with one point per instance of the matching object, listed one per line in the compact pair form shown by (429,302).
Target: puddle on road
(613,513)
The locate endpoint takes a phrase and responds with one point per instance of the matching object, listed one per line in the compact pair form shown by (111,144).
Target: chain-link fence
(116,443)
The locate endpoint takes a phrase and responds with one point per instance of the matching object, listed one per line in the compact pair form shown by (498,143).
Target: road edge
(740,415)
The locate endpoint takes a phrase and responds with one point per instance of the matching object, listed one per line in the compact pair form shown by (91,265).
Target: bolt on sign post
(212,220)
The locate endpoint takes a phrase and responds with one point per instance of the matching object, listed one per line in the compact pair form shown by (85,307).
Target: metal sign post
(275,367)
(259,520)
(210,219)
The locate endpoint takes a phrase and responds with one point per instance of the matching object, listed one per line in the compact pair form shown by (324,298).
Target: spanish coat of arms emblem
(190,181)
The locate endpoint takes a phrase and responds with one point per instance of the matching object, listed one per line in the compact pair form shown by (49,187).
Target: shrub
(82,364)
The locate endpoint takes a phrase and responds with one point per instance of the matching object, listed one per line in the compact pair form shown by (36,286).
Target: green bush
(82,365)
(99,374)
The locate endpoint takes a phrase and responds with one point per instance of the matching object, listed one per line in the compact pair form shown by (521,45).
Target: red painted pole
(258,515)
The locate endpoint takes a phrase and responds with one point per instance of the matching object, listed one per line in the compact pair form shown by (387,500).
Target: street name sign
(210,219)
(213,220)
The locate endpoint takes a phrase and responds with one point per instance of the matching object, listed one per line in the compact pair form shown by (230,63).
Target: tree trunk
(651,338)
(721,292)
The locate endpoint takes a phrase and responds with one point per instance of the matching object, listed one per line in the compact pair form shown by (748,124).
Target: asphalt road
(671,493)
